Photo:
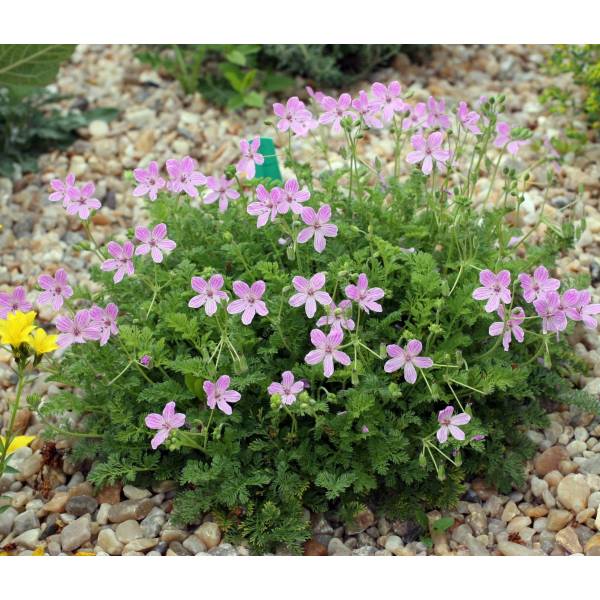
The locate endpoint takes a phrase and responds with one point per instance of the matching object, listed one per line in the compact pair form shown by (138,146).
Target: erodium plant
(373,333)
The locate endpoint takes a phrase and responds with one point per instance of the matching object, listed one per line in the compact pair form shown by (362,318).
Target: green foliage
(226,74)
(335,64)
(362,435)
(30,126)
(26,67)
(583,62)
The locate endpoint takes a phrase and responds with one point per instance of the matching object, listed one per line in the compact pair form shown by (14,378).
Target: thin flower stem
(455,396)
(96,247)
(466,386)
(121,373)
(442,453)
(212,412)
(426,382)
(13,415)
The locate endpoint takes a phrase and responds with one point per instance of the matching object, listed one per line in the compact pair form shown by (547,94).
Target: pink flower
(82,203)
(218,394)
(293,115)
(155,242)
(504,139)
(536,286)
(309,293)
(121,260)
(436,117)
(449,423)
(149,181)
(581,309)
(17,300)
(511,328)
(221,191)
(494,290)
(428,150)
(416,118)
(317,96)
(209,293)
(548,307)
(183,176)
(318,226)
(367,110)
(291,197)
(336,317)
(335,111)
(365,296)
(287,389)
(364,429)
(327,350)
(387,99)
(106,320)
(408,358)
(468,118)
(145,360)
(56,290)
(250,158)
(266,206)
(165,423)
(63,191)
(77,331)
(249,302)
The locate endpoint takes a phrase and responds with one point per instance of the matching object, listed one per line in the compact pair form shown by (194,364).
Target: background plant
(366,432)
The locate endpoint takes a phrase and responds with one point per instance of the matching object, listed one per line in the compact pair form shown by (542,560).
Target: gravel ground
(55,510)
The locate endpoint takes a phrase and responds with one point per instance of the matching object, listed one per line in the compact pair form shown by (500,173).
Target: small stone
(362,520)
(75,534)
(337,548)
(102,514)
(141,545)
(568,539)
(194,544)
(581,434)
(557,519)
(576,448)
(57,503)
(483,490)
(573,492)
(229,550)
(107,540)
(538,486)
(534,512)
(512,549)
(24,522)
(130,509)
(553,478)
(526,534)
(585,514)
(30,466)
(127,531)
(7,519)
(145,141)
(170,534)
(594,500)
(209,533)
(109,494)
(592,546)
(478,521)
(461,533)
(28,539)
(153,523)
(591,465)
(517,524)
(98,128)
(394,544)
(81,505)
(510,512)
(476,548)
(314,548)
(140,117)
(133,493)
(549,460)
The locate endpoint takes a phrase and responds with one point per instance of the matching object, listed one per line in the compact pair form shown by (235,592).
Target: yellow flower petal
(41,342)
(15,329)
(19,442)
(83,553)
(39,551)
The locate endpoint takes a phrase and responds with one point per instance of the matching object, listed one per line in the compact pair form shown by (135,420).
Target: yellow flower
(18,442)
(84,553)
(15,329)
(39,551)
(41,342)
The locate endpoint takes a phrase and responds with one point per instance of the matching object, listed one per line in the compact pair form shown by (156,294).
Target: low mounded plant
(377,332)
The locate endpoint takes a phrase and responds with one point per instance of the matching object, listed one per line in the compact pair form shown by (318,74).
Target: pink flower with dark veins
(56,289)
(367,109)
(294,115)
(287,389)
(266,206)
(408,358)
(387,99)
(183,176)
(82,203)
(106,320)
(318,227)
(536,286)
(335,111)
(309,293)
(364,296)
(450,424)
(121,261)
(494,289)
(221,190)
(249,301)
(219,395)
(436,117)
(209,293)
(16,300)
(155,242)
(250,158)
(149,181)
(79,330)
(64,191)
(327,350)
(549,308)
(427,150)
(512,327)
(417,117)
(165,423)
(291,197)
(337,317)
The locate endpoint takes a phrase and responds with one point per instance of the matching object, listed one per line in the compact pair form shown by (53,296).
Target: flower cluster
(76,200)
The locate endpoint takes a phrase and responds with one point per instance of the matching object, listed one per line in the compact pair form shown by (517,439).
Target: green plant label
(270,168)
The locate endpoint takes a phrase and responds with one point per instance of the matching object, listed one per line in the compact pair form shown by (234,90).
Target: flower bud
(275,401)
